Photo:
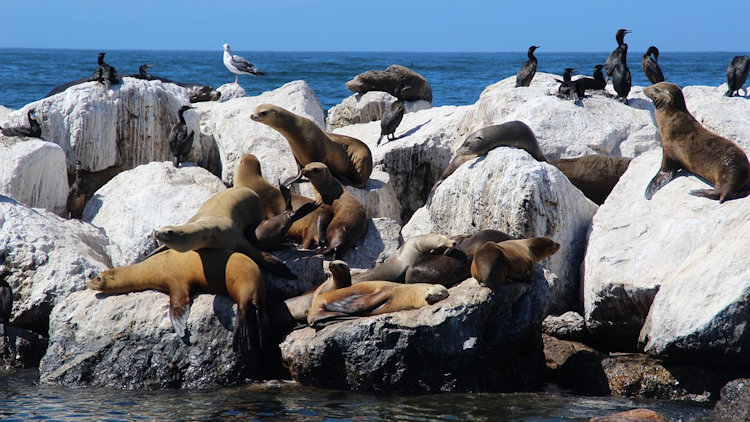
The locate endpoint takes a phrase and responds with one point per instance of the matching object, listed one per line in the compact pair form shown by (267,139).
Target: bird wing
(243,65)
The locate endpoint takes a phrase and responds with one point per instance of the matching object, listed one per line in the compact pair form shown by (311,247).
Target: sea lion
(349,159)
(217,271)
(688,145)
(399,81)
(33,130)
(495,263)
(221,223)
(372,298)
(512,134)
(595,175)
(737,74)
(390,120)
(528,70)
(180,141)
(451,268)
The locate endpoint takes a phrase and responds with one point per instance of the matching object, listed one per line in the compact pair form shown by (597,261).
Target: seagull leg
(236,79)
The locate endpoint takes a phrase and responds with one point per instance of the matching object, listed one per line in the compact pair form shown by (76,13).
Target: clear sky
(375,25)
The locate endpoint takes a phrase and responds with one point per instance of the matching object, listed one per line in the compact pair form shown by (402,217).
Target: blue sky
(338,25)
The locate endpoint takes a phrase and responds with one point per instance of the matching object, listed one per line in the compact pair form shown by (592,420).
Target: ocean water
(455,78)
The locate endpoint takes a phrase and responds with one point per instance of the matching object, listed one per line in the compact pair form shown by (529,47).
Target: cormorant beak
(628,31)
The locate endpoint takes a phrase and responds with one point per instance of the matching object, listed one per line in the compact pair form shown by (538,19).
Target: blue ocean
(456,79)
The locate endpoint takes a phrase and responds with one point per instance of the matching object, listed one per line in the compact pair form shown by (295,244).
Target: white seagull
(239,65)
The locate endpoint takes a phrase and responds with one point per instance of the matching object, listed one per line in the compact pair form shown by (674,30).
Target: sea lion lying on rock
(496,263)
(399,81)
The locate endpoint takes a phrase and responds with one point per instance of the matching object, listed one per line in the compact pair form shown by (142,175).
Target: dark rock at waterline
(734,405)
(635,415)
(20,348)
(568,326)
(475,340)
(399,81)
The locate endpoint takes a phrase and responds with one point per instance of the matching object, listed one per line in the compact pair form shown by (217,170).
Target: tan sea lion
(394,268)
(217,271)
(595,175)
(496,263)
(372,298)
(221,223)
(349,159)
(512,134)
(688,145)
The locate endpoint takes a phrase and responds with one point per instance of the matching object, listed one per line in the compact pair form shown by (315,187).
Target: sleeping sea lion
(217,271)
(496,263)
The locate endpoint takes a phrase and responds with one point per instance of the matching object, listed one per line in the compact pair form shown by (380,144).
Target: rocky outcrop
(508,190)
(397,80)
(33,172)
(367,107)
(601,125)
(568,326)
(381,240)
(635,415)
(230,91)
(734,405)
(727,116)
(21,348)
(45,258)
(475,340)
(136,202)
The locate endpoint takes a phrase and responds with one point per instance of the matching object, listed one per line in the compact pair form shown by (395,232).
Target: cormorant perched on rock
(570,89)
(737,74)
(528,70)
(105,74)
(651,67)
(620,54)
(6,304)
(180,142)
(598,82)
(621,81)
(390,120)
(33,129)
(239,65)
(77,194)
(143,73)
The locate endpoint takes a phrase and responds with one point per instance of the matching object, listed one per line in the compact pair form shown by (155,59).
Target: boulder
(602,125)
(734,405)
(136,202)
(727,116)
(4,114)
(475,340)
(367,107)
(635,415)
(21,348)
(636,246)
(418,157)
(45,258)
(230,91)
(128,342)
(34,173)
(381,240)
(396,80)
(508,190)
(568,326)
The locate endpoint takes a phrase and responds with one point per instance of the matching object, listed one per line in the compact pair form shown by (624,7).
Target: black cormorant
(390,120)
(528,70)
(180,142)
(651,67)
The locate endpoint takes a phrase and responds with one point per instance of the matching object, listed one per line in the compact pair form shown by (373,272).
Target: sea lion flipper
(660,179)
(247,332)
(292,179)
(358,304)
(303,210)
(161,248)
(179,311)
(327,320)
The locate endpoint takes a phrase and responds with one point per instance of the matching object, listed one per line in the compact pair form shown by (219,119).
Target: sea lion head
(182,240)
(249,164)
(666,96)
(101,281)
(271,115)
(316,171)
(435,293)
(341,274)
(542,247)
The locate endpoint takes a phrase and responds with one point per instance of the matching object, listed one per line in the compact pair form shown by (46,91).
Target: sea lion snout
(436,294)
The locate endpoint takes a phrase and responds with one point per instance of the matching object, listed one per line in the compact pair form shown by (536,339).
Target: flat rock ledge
(475,340)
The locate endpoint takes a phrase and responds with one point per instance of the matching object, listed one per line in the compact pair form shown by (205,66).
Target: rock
(44,259)
(21,348)
(367,107)
(575,366)
(231,91)
(4,114)
(720,114)
(126,126)
(34,173)
(308,265)
(418,157)
(734,405)
(128,342)
(601,126)
(381,240)
(568,326)
(508,190)
(636,246)
(635,415)
(136,202)
(396,80)
(475,340)
(236,134)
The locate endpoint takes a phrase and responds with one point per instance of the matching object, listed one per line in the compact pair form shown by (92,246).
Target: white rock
(136,202)
(727,116)
(45,258)
(4,114)
(636,245)
(601,126)
(700,313)
(34,173)
(231,91)
(381,240)
(508,190)
(367,107)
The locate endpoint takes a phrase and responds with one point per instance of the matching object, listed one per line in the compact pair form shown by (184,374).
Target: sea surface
(456,78)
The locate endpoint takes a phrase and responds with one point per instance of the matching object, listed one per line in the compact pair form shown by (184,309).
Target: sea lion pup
(221,223)
(349,159)
(594,175)
(180,141)
(737,74)
(394,268)
(33,130)
(342,220)
(512,134)
(372,298)
(688,145)
(390,121)
(452,268)
(496,263)
(217,271)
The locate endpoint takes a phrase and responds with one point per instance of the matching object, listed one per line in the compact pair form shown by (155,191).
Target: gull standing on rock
(239,65)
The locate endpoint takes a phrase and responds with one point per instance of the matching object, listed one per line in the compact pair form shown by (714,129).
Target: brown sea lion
(399,81)
(496,263)
(511,134)
(221,223)
(595,175)
(450,268)
(394,268)
(349,159)
(688,145)
(372,298)
(217,271)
